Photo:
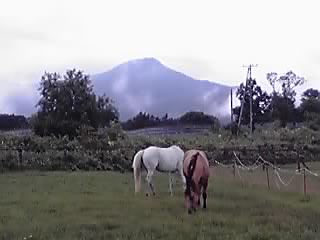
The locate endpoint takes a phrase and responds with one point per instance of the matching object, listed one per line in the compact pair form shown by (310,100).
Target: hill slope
(147,85)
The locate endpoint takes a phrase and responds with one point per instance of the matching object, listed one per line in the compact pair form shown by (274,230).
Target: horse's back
(202,168)
(165,158)
(171,158)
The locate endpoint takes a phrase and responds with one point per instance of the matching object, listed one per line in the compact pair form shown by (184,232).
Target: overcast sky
(204,39)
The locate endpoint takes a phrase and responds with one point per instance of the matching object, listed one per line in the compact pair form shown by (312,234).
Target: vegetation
(103,206)
(10,122)
(75,129)
(68,105)
(112,149)
(144,120)
(310,108)
(261,104)
(279,105)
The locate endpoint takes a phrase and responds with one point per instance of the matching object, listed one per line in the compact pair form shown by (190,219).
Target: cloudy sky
(204,39)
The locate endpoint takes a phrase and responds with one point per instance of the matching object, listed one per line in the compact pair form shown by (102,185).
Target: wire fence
(281,178)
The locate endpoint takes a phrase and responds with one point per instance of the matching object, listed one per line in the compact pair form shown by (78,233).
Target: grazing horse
(153,158)
(197,173)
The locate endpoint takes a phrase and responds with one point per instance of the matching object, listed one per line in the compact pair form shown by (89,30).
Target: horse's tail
(136,165)
(191,168)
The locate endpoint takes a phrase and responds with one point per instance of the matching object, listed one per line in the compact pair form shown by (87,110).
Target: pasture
(102,205)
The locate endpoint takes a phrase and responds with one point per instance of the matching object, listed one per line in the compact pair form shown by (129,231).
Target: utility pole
(231,104)
(249,83)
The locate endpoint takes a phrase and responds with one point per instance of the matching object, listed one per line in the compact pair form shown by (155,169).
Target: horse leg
(204,193)
(189,198)
(170,184)
(201,187)
(188,202)
(195,195)
(183,178)
(188,195)
(149,183)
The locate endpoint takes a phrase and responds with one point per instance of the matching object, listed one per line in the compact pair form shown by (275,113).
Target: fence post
(267,171)
(19,157)
(234,169)
(304,182)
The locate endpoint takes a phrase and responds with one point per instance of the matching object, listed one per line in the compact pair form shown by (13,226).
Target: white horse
(153,158)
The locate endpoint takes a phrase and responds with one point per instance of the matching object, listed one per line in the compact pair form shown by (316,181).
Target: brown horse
(196,171)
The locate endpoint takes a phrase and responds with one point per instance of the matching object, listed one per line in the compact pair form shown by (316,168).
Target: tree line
(280,104)
(144,120)
(68,105)
(12,122)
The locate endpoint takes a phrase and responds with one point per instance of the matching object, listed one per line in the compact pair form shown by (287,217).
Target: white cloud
(205,39)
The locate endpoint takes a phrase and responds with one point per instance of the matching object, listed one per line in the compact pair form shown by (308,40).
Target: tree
(261,106)
(310,94)
(107,112)
(310,105)
(283,100)
(199,118)
(68,104)
(288,83)
(142,120)
(283,109)
(11,122)
(310,101)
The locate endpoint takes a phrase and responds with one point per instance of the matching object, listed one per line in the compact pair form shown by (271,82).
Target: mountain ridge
(147,85)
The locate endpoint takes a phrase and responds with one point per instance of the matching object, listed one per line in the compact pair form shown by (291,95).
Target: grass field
(102,205)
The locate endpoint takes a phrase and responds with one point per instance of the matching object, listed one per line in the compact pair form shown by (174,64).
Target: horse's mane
(192,164)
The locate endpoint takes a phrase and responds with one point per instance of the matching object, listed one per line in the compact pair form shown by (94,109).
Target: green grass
(102,205)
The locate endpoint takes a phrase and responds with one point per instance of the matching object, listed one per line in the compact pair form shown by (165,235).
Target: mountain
(149,86)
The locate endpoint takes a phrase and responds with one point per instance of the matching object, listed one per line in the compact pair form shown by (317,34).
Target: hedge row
(113,150)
